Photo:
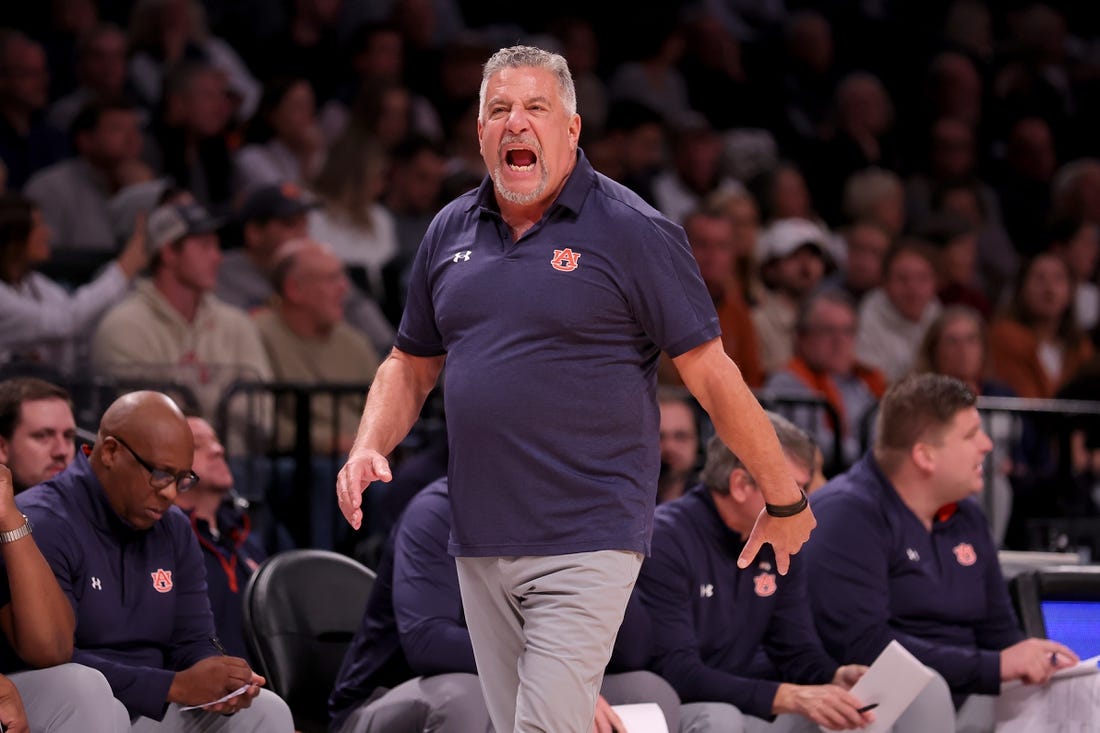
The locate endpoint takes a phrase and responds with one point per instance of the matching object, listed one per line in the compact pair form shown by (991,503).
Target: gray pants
(267,714)
(444,703)
(453,703)
(69,698)
(931,712)
(542,630)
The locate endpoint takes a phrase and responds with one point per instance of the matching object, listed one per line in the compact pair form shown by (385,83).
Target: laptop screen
(1075,624)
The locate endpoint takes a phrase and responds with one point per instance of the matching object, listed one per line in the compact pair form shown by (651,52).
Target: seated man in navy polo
(129,565)
(224,531)
(410,667)
(738,644)
(902,551)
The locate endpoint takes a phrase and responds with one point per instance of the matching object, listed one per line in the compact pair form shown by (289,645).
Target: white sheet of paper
(239,691)
(643,717)
(893,681)
(1085,666)
(1068,703)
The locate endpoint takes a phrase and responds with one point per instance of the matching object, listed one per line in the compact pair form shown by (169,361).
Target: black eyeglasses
(158,477)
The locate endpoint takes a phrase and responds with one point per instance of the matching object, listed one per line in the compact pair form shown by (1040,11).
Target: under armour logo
(462,256)
(97,583)
(912,555)
(706,590)
(565,260)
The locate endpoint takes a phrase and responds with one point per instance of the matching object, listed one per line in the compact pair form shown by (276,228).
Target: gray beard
(514,197)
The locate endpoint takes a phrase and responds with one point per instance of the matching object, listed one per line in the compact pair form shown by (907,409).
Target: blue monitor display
(1075,624)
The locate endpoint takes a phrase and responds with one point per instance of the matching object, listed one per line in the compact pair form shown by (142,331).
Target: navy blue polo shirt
(552,344)
(876,574)
(723,633)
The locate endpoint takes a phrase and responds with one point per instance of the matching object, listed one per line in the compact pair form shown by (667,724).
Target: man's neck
(19,118)
(185,300)
(203,505)
(916,495)
(301,324)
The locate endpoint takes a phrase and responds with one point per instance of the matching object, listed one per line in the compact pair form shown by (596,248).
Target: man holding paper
(903,553)
(129,565)
(739,645)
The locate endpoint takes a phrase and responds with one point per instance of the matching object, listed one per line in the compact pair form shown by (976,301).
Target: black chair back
(301,609)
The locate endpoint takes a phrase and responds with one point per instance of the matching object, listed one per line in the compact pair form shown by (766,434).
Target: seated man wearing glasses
(129,564)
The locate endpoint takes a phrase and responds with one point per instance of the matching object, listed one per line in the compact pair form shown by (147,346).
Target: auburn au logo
(764,584)
(565,260)
(162,580)
(964,553)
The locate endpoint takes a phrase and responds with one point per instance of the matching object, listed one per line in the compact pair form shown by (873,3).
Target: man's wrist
(788,510)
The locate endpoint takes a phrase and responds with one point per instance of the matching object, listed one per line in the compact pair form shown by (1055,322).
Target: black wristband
(787,510)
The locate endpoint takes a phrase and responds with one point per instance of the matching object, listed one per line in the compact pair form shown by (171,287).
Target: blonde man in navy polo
(549,291)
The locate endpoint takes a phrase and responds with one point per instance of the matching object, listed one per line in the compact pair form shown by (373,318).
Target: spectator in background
(306,46)
(27,141)
(74,194)
(824,365)
(632,148)
(308,341)
(1035,345)
(893,317)
(1024,187)
(283,139)
(377,54)
(712,239)
(1079,243)
(1075,191)
(956,241)
(652,76)
(100,73)
(740,208)
(173,327)
(40,321)
(351,219)
(862,137)
(191,146)
(37,430)
(865,248)
(581,49)
(876,196)
(997,256)
(955,345)
(167,33)
(681,443)
(696,168)
(270,215)
(781,193)
(809,78)
(224,532)
(412,196)
(793,261)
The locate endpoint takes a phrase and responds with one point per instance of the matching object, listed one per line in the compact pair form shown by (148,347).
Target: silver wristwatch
(18,533)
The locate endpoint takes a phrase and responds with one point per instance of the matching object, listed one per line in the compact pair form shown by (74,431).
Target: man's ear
(4,454)
(924,456)
(740,484)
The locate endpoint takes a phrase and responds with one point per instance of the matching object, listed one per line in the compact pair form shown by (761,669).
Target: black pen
(218,645)
(867,708)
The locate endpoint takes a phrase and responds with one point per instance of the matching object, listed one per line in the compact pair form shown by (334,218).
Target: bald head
(153,416)
(142,456)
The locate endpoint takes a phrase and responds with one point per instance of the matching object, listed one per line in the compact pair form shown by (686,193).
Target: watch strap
(16,534)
